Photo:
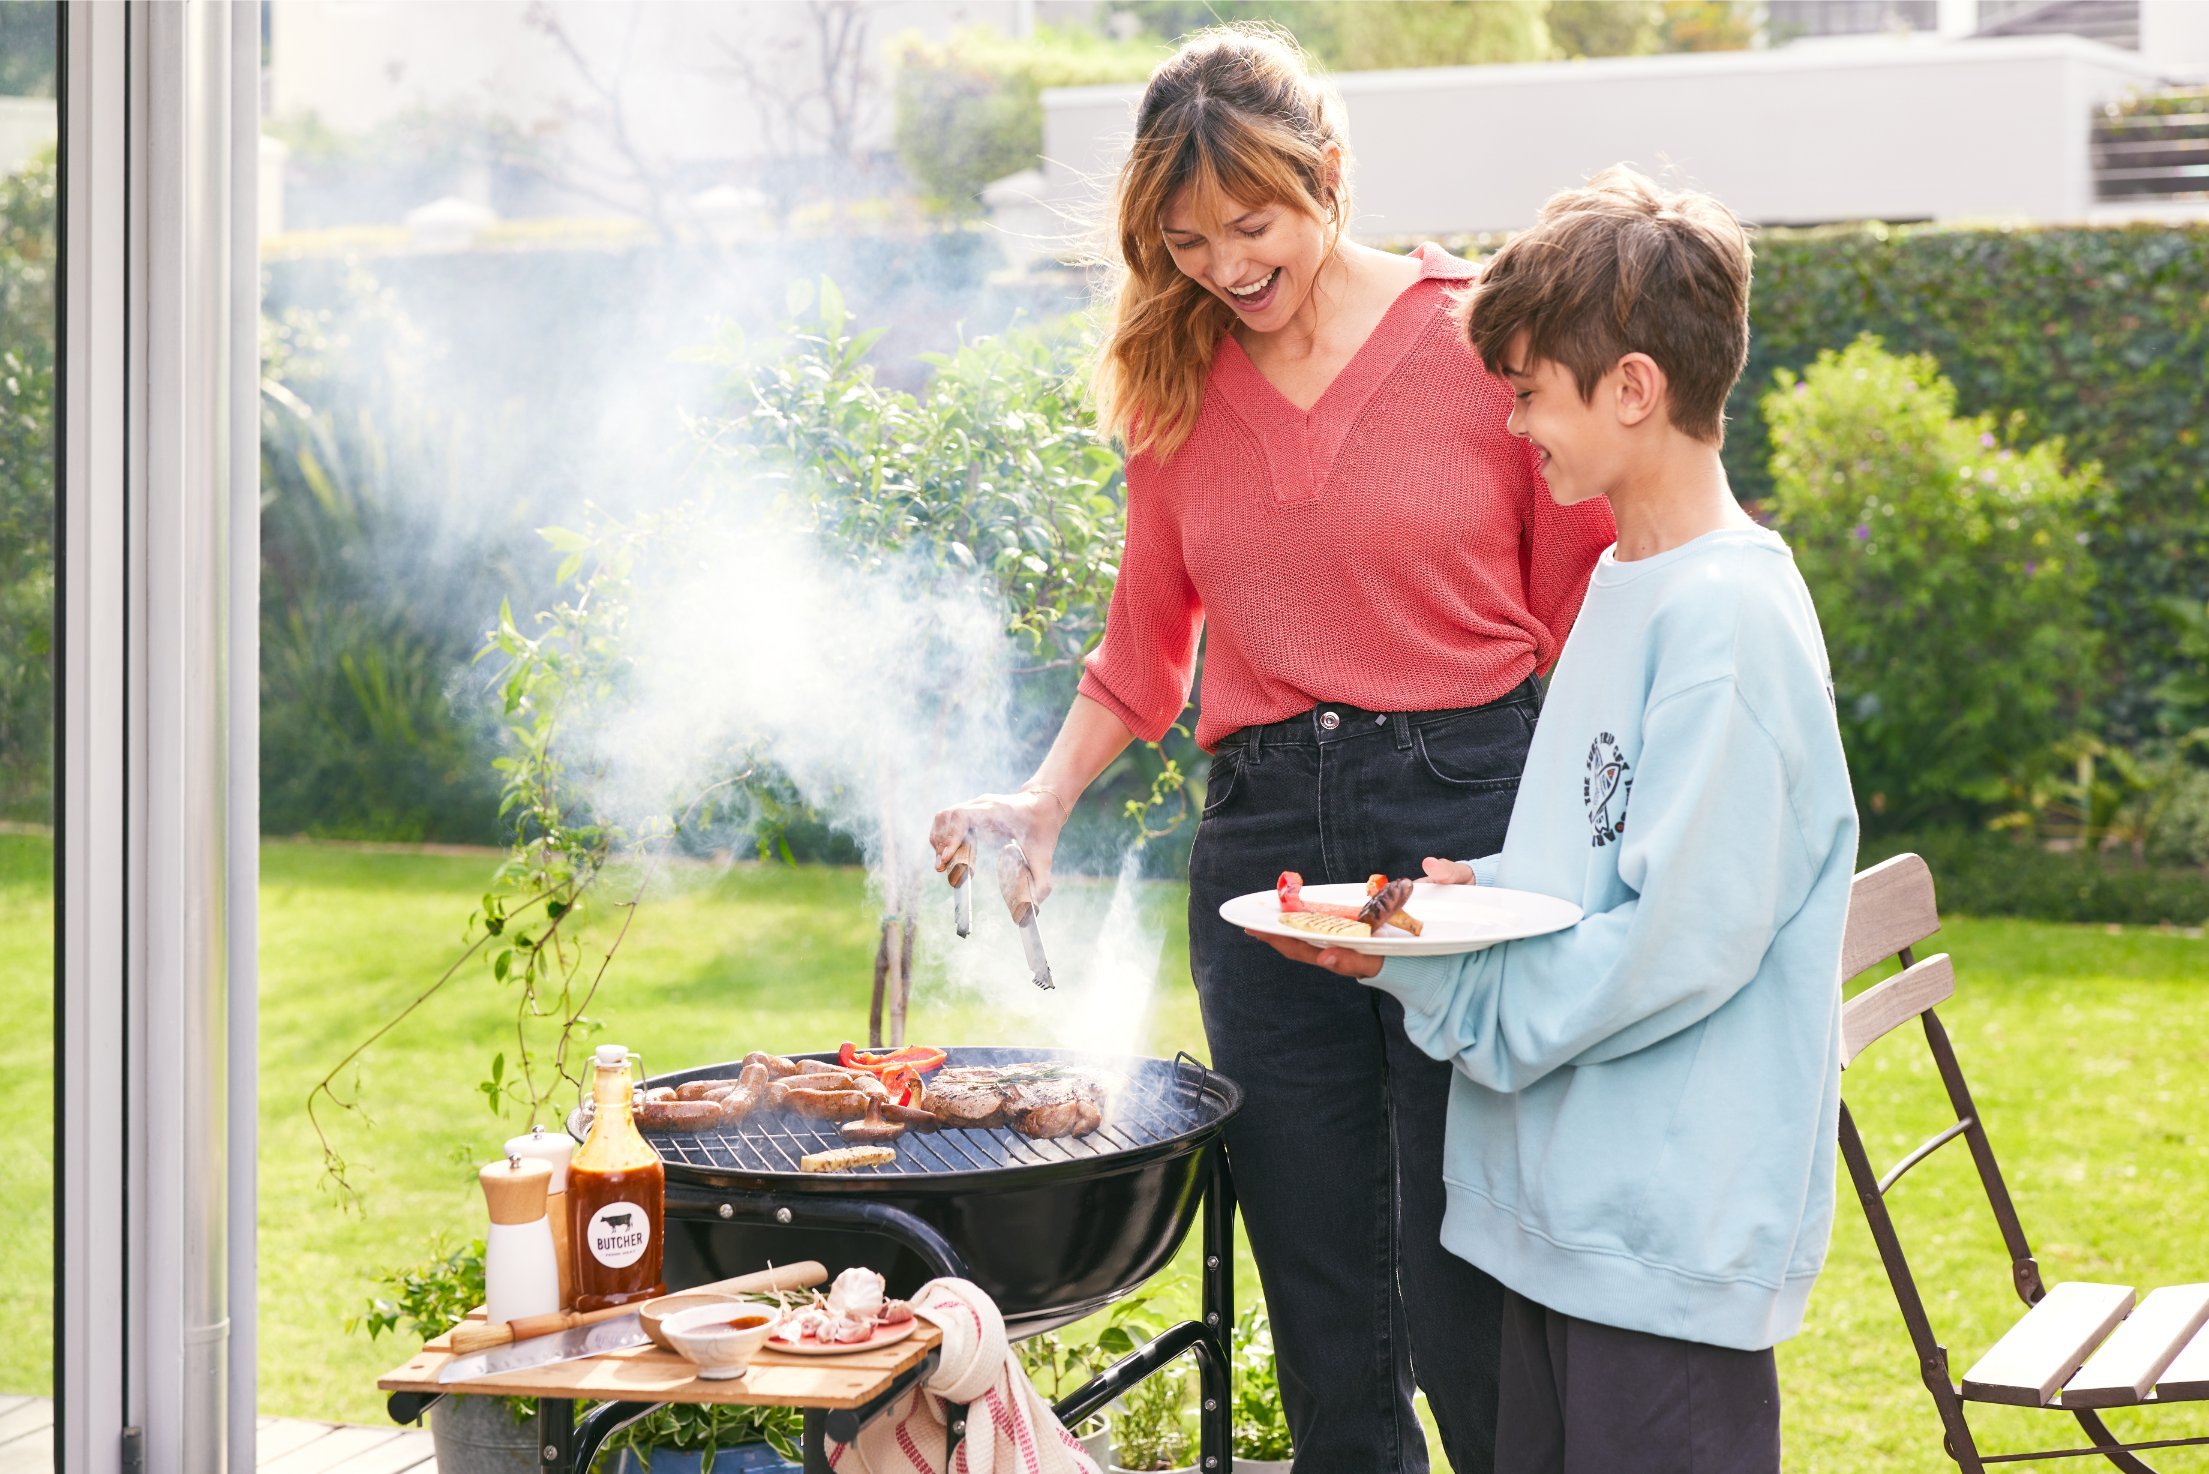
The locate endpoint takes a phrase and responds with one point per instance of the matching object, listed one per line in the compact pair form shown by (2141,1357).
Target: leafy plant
(1261,1425)
(427,1299)
(1951,574)
(993,477)
(28,210)
(708,1429)
(2092,335)
(1151,1429)
(969,109)
(524,930)
(1981,874)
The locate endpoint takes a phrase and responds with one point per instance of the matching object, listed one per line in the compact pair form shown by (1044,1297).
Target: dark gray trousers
(1582,1398)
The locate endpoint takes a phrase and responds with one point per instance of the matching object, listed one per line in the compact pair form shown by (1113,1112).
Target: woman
(1319,475)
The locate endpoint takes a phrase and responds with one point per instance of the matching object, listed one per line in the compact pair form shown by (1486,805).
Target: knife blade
(618,1334)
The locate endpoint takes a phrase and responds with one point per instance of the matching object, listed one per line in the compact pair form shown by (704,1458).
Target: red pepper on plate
(1290,888)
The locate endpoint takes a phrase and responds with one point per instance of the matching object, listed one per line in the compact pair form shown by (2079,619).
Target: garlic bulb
(857,1292)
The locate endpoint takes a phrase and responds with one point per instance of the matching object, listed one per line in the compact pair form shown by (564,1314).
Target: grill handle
(799,1212)
(1198,1084)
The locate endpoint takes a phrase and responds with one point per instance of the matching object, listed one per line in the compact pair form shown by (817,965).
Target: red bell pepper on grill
(903,1083)
(919,1058)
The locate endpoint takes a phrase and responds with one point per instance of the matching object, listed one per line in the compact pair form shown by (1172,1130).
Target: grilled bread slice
(847,1158)
(1325,925)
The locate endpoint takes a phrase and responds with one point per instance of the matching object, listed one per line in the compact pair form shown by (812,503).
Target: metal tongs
(1016,882)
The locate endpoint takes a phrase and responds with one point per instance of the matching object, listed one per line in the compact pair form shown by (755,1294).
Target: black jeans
(1337,1153)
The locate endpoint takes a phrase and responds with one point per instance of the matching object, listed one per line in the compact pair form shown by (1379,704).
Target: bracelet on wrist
(1065,809)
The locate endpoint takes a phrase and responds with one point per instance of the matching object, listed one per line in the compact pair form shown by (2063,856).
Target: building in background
(1961,122)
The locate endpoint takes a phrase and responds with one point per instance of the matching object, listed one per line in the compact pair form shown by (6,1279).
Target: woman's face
(1260,259)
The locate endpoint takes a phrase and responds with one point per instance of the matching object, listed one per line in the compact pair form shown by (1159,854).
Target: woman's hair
(1236,115)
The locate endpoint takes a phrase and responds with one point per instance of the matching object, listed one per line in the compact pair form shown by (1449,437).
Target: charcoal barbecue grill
(1052,1229)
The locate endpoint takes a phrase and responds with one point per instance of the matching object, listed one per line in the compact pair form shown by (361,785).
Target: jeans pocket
(1221,778)
(1478,751)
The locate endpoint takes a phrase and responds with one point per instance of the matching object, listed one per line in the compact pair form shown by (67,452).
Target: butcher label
(618,1235)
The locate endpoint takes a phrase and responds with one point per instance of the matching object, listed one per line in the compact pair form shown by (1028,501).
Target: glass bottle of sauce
(616,1195)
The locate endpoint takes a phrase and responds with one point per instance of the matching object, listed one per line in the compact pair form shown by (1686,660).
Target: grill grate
(1154,1101)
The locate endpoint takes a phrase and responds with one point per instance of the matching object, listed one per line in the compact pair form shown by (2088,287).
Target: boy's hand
(1334,959)
(1447,872)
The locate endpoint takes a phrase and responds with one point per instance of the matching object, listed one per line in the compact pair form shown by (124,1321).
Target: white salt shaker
(521,1274)
(553,1147)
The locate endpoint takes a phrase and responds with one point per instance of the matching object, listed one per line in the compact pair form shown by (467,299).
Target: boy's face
(1581,444)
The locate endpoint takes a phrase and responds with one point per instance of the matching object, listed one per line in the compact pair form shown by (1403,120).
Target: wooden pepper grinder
(521,1276)
(553,1148)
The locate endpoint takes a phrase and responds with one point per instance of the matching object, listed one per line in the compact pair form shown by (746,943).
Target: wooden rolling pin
(471,1336)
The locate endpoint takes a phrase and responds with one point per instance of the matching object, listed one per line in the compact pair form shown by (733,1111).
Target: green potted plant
(474,1435)
(1261,1427)
(707,1440)
(1150,1432)
(1057,1368)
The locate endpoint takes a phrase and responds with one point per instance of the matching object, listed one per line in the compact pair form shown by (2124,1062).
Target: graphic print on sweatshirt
(1603,791)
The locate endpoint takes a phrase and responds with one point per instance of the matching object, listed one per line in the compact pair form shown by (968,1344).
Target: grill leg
(555,1435)
(816,1442)
(1215,1421)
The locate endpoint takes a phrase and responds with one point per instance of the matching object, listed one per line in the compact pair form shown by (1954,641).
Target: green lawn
(2087,1049)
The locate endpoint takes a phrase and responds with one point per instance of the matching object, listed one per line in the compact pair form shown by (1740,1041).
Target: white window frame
(156,857)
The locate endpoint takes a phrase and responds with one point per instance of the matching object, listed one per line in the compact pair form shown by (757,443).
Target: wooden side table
(839,1394)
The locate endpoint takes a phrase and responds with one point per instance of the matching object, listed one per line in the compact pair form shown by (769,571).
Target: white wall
(2174,34)
(1882,128)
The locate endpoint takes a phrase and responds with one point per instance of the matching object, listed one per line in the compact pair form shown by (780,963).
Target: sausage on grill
(825,1105)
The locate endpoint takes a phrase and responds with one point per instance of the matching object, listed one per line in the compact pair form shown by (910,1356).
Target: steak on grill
(1038,1100)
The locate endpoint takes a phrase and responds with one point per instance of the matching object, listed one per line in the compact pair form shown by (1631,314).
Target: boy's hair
(1621,266)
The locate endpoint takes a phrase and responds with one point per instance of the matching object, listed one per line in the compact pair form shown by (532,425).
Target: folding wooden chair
(2078,1347)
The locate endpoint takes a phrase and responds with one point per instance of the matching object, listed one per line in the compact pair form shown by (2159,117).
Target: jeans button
(1328,721)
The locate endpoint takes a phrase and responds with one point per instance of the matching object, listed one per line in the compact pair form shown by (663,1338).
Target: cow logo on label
(618,1235)
(1610,779)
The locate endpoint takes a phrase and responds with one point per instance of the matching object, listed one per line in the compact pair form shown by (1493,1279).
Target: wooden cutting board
(648,1374)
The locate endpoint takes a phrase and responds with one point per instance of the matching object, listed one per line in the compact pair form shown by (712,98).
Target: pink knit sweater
(1392,549)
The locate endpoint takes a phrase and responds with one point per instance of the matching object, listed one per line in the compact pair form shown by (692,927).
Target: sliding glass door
(29,252)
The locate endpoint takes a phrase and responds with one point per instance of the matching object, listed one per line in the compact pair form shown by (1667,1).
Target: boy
(1641,1128)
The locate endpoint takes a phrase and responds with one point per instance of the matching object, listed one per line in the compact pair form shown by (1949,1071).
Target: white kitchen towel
(1010,1429)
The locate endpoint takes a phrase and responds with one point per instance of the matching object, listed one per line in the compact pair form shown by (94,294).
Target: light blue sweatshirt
(1641,1127)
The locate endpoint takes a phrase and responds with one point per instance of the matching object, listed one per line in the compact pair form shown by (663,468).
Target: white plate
(1457,918)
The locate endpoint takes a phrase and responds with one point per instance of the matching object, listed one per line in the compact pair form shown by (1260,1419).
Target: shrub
(2094,335)
(2179,833)
(360,736)
(1978,874)
(992,476)
(28,202)
(970,109)
(1950,576)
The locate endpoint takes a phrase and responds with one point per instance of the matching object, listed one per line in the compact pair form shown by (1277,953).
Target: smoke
(881,694)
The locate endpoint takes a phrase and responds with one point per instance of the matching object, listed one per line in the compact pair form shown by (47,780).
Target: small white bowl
(704,1336)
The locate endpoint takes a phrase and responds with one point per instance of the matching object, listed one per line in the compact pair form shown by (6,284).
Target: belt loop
(1401,721)
(1254,743)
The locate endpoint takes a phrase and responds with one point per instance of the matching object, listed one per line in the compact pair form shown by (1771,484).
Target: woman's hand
(1334,959)
(1033,816)
(1448,872)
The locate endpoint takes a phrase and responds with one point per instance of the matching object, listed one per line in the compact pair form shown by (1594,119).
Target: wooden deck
(284,1445)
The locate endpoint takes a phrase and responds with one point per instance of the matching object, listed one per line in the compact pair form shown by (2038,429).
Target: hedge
(2099,336)
(1980,874)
